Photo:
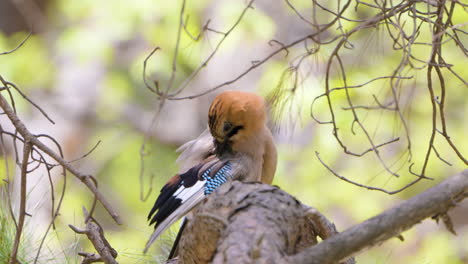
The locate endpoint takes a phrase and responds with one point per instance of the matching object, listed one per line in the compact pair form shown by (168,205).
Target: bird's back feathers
(195,151)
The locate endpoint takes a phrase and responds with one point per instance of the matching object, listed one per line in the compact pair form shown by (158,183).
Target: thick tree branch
(251,223)
(257,223)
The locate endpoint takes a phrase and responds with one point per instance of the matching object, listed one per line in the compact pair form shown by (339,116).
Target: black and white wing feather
(185,191)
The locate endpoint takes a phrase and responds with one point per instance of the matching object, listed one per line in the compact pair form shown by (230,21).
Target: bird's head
(234,119)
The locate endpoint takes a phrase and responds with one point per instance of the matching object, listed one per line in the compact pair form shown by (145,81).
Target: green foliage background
(116,36)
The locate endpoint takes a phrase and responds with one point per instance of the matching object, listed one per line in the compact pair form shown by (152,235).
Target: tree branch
(95,234)
(86,179)
(258,223)
(251,223)
(22,209)
(437,200)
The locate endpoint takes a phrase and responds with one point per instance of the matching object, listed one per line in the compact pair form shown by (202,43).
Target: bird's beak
(219,139)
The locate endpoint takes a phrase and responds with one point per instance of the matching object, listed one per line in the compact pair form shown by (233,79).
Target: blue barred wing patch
(220,177)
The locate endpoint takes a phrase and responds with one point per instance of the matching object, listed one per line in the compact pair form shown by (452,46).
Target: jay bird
(236,146)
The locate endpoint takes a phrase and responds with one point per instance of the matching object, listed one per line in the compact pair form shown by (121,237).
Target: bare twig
(9,84)
(18,46)
(22,210)
(145,62)
(86,179)
(95,234)
(366,186)
(176,51)
(212,54)
(87,153)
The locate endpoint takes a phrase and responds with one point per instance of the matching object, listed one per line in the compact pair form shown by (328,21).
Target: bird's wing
(195,151)
(185,191)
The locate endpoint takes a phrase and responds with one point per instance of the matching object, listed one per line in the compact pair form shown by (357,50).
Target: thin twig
(213,53)
(366,186)
(86,179)
(9,84)
(18,46)
(22,209)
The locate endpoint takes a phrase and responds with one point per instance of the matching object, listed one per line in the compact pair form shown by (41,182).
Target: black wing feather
(166,203)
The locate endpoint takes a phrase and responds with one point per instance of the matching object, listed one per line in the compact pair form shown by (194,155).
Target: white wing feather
(190,198)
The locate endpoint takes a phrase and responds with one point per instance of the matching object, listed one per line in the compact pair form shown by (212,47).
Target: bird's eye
(227,126)
(234,131)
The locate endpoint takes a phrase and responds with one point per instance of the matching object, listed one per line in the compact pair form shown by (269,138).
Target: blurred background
(83,64)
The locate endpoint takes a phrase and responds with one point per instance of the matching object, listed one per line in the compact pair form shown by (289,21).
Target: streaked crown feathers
(232,111)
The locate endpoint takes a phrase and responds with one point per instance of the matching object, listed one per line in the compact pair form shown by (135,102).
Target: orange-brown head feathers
(236,116)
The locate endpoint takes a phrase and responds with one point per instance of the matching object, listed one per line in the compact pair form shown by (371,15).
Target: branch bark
(435,201)
(95,234)
(257,223)
(251,223)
